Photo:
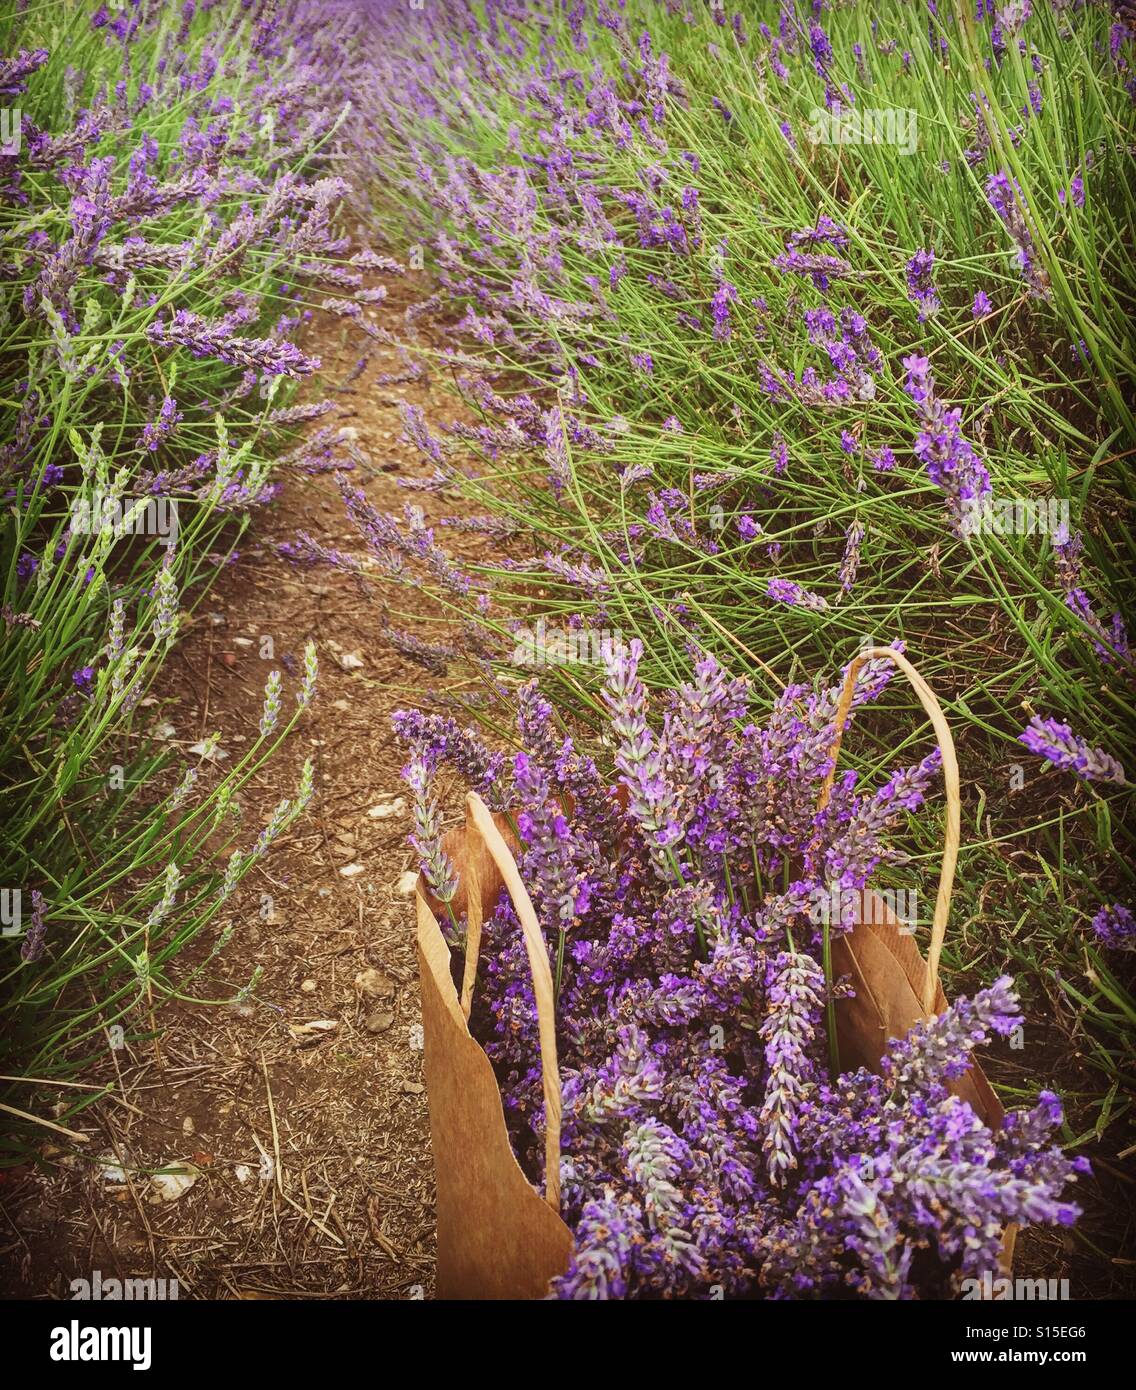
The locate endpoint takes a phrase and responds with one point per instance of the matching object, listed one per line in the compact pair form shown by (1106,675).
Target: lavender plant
(166,221)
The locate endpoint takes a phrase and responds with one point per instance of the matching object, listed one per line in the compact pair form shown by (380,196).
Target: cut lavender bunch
(703,1145)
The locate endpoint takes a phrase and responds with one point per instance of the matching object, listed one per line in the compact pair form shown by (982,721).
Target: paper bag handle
(950,777)
(480,821)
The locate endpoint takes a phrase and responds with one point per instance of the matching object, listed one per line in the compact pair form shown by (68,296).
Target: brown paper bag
(497,1236)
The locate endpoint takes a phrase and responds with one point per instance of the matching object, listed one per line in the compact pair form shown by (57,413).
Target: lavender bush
(707,1149)
(166,223)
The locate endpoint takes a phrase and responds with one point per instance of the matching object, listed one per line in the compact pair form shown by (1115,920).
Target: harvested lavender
(706,1150)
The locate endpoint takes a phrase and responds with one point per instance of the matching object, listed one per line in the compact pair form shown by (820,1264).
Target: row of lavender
(779,443)
(166,218)
(784,330)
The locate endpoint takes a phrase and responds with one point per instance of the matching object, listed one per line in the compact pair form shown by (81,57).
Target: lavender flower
(788,592)
(14,72)
(725,295)
(1051,739)
(165,623)
(939,1051)
(36,937)
(951,462)
(439,739)
(1007,201)
(850,562)
(311,673)
(550,859)
(159,430)
(653,803)
(920,284)
(437,869)
(796,997)
(607,1234)
(181,793)
(1114,925)
(272,356)
(162,908)
(271,712)
(1109,643)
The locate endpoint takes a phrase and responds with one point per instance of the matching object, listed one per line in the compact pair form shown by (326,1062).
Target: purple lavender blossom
(1109,643)
(951,462)
(725,295)
(1008,202)
(36,938)
(788,592)
(796,994)
(162,427)
(920,284)
(14,72)
(272,356)
(441,740)
(1056,742)
(653,803)
(437,869)
(1115,926)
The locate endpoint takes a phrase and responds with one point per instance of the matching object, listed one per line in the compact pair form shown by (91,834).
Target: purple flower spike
(951,462)
(920,284)
(790,1032)
(1007,201)
(653,804)
(1114,925)
(1051,739)
(786,591)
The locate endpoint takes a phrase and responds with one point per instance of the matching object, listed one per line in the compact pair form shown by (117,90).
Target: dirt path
(302,1109)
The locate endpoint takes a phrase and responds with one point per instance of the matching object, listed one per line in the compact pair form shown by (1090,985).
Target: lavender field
(705,433)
